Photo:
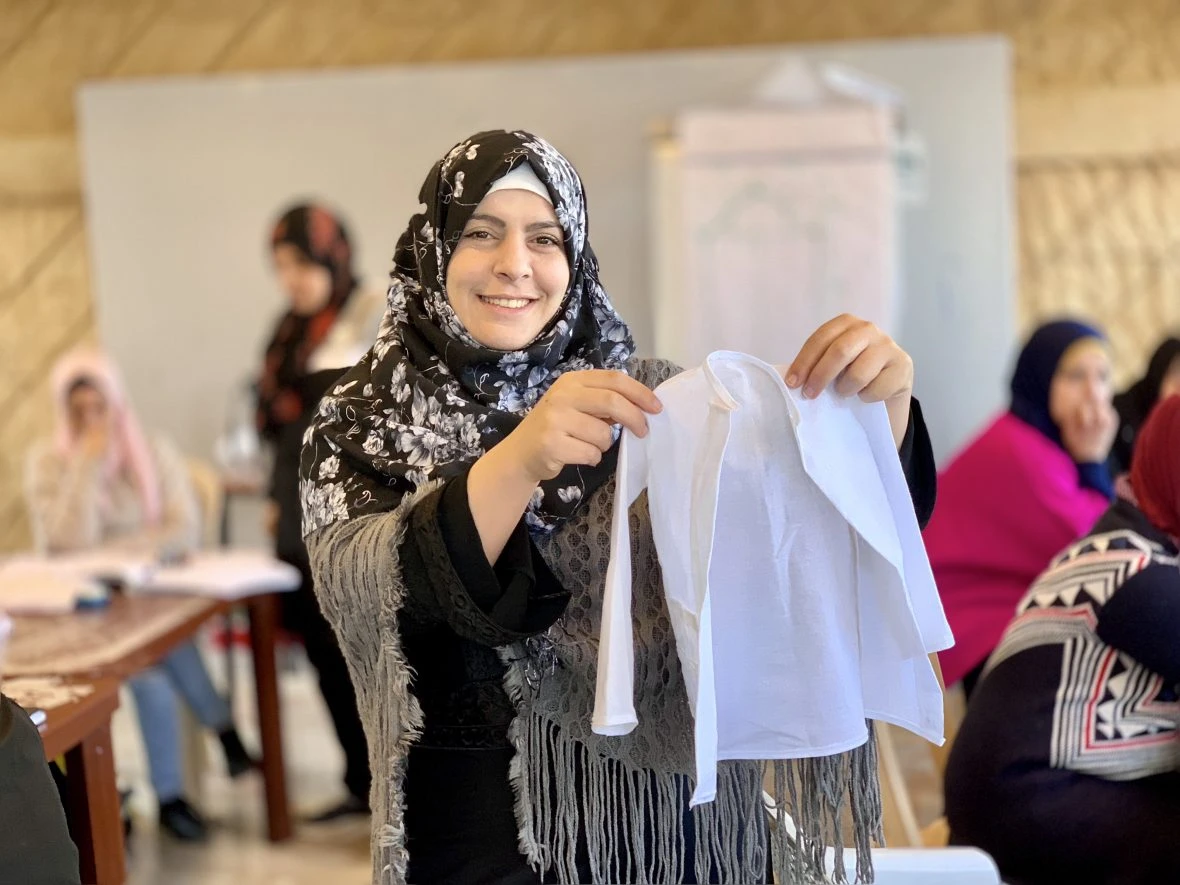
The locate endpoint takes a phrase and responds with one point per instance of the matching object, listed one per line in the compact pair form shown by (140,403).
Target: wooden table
(136,632)
(81,731)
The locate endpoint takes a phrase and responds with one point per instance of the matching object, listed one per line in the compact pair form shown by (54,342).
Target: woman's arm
(1142,618)
(917,462)
(64,499)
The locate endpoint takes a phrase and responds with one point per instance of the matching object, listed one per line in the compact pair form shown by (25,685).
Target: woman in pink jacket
(1033,482)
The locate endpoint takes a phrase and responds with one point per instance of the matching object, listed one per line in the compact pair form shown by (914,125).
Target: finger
(840,354)
(815,347)
(623,384)
(589,429)
(862,371)
(893,380)
(580,452)
(611,406)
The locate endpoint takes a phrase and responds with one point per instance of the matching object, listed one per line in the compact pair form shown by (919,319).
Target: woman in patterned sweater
(1065,769)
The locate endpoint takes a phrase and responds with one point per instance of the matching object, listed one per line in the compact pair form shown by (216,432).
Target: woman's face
(1082,380)
(307,285)
(88,410)
(508,276)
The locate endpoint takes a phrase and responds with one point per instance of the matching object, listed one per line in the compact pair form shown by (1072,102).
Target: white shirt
(797,583)
(352,334)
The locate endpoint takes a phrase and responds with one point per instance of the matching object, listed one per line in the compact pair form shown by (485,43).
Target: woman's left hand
(861,360)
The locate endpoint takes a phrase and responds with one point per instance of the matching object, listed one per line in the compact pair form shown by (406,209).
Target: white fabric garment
(352,334)
(797,583)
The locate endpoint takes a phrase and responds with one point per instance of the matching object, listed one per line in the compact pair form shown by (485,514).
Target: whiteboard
(183,177)
(783,217)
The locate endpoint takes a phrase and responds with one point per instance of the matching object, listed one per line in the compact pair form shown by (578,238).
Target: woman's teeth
(513,303)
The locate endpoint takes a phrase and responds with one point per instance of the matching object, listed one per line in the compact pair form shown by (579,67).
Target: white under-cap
(522,178)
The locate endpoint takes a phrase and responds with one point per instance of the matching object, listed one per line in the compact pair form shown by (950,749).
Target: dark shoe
(353,806)
(237,760)
(182,821)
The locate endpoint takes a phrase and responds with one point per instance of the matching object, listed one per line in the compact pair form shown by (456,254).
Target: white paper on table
(228,574)
(38,586)
(107,565)
(114,566)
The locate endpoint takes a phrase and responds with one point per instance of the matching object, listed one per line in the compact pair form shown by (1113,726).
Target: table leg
(263,620)
(93,796)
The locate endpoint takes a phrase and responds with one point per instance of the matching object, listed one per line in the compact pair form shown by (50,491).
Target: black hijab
(1136,402)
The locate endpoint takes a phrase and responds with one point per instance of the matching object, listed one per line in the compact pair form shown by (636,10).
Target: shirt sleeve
(1142,618)
(449,577)
(917,462)
(614,701)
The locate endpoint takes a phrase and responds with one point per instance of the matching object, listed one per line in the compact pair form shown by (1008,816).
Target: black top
(284,475)
(35,846)
(1009,725)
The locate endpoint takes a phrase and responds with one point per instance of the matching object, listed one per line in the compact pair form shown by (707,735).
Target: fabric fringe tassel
(810,797)
(582,814)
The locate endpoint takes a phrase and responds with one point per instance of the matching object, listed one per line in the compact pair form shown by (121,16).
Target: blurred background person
(1136,402)
(1033,481)
(101,482)
(1065,767)
(329,323)
(36,848)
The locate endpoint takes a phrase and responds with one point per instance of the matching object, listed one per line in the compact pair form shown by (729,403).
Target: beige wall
(1098,135)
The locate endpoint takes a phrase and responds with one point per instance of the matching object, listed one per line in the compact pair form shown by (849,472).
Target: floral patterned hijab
(428,399)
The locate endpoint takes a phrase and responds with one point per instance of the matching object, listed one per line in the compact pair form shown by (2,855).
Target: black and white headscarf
(428,399)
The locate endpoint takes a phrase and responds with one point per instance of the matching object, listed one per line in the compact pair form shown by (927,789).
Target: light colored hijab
(129,453)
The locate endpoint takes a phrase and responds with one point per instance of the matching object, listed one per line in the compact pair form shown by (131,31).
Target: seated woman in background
(1065,767)
(1028,485)
(101,483)
(1136,402)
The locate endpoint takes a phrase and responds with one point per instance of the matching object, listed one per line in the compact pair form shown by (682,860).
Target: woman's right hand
(572,423)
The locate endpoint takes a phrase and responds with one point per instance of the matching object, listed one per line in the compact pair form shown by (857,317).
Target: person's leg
(187,672)
(159,723)
(323,651)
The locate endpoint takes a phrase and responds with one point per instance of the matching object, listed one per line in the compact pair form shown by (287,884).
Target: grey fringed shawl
(631,791)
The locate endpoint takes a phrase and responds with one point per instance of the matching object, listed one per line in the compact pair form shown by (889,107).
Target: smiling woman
(508,275)
(457,496)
